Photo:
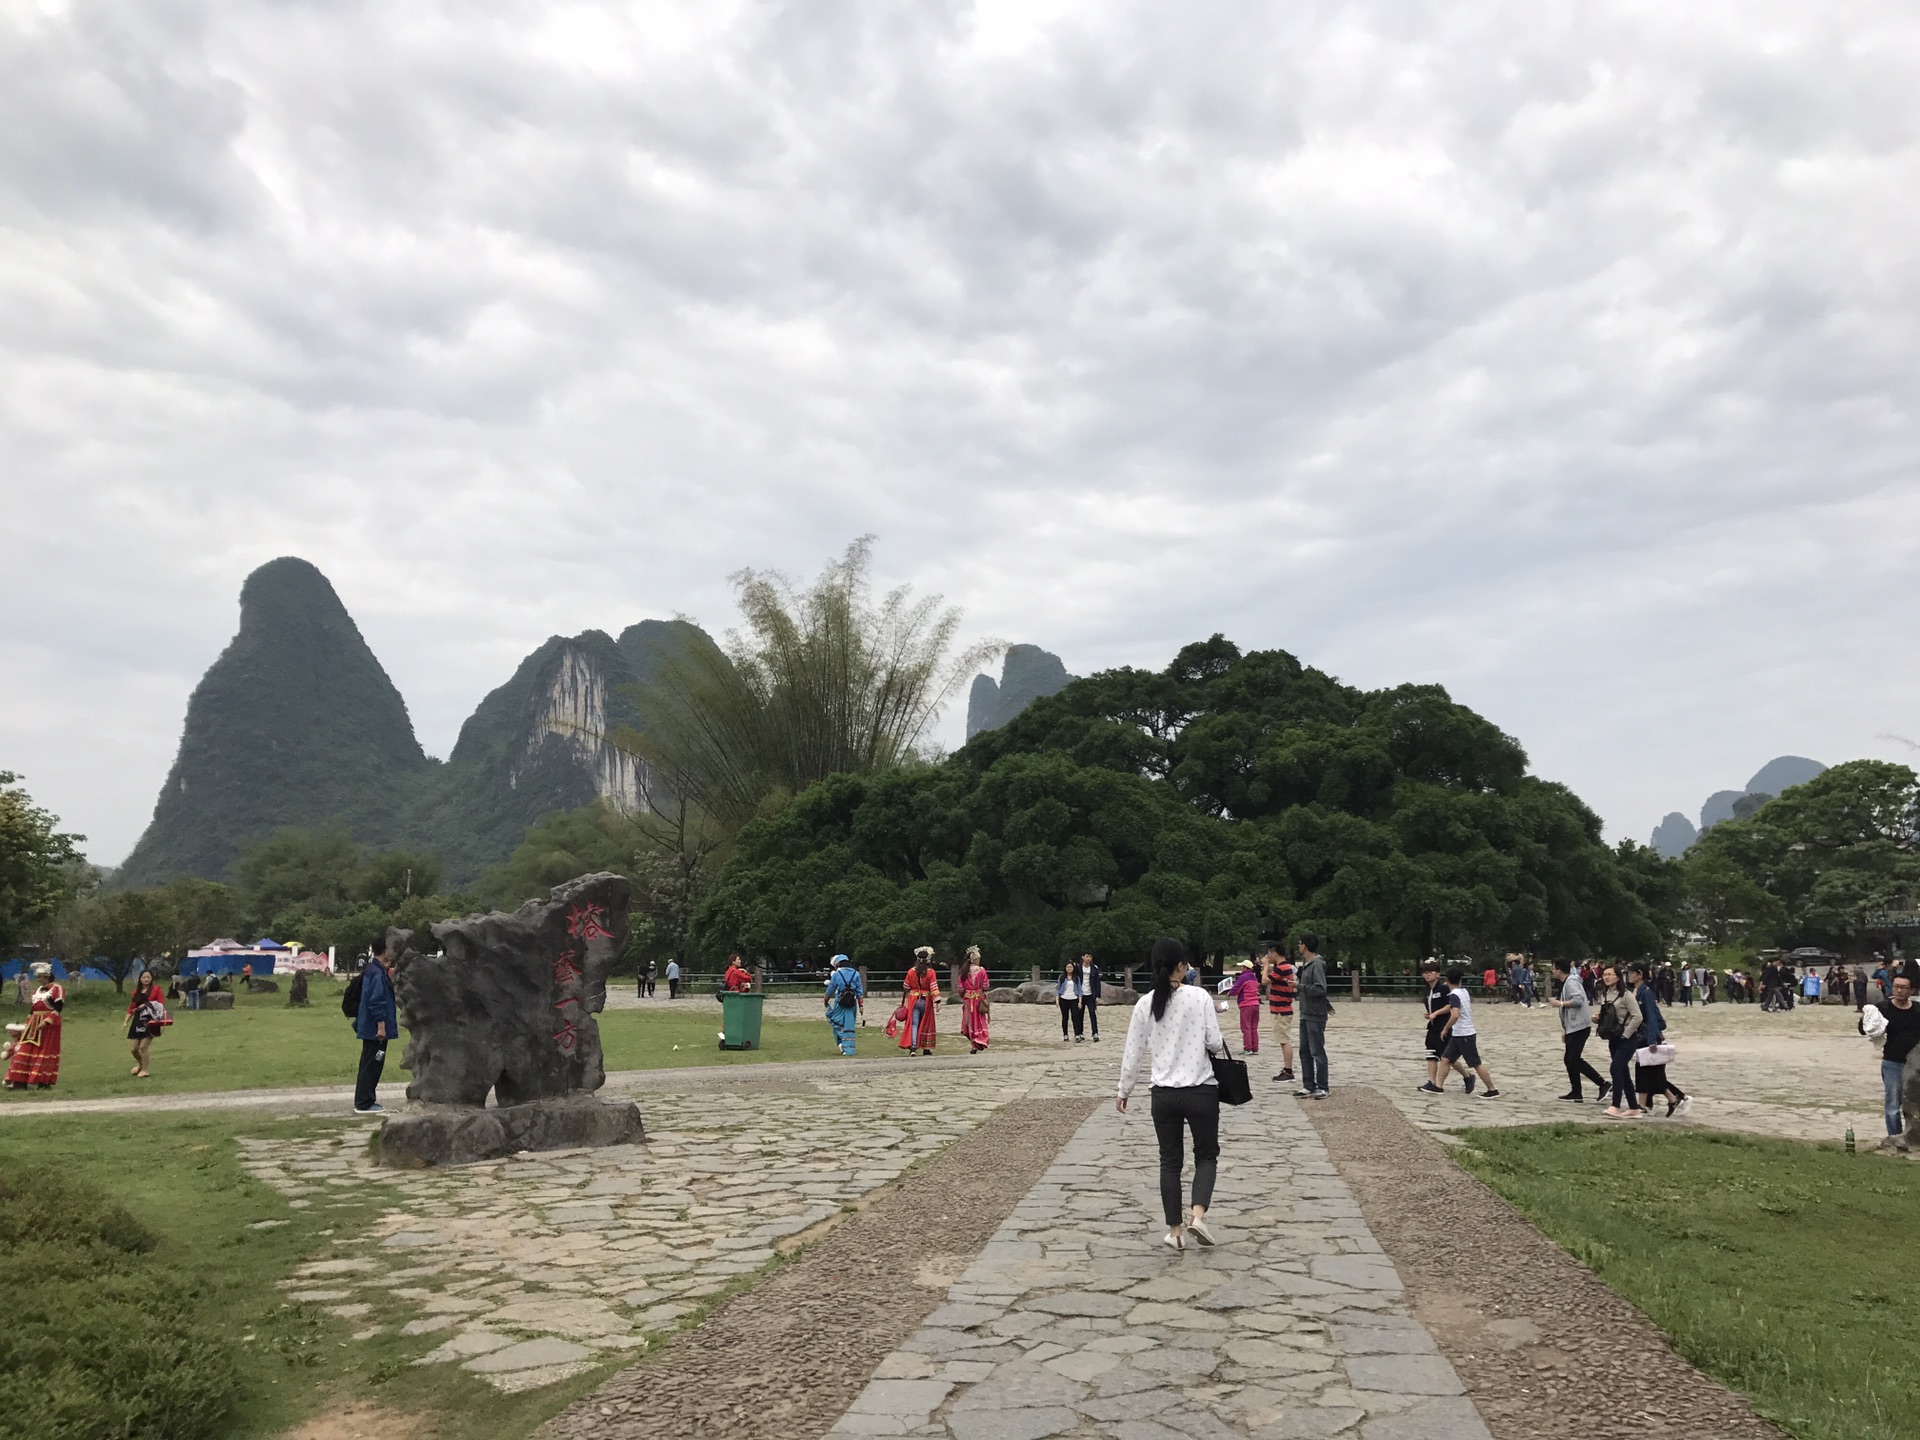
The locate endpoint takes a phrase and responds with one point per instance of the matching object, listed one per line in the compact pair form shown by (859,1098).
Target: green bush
(100,1339)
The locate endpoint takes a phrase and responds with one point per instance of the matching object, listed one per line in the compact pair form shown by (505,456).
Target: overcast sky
(1564,355)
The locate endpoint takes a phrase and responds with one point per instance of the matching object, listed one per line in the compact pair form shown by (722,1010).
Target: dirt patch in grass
(364,1420)
(783,1360)
(1543,1346)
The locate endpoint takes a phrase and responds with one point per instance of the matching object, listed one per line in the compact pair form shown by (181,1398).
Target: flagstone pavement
(1077,1321)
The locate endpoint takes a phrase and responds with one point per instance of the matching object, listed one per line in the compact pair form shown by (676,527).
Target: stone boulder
(507,1008)
(257,986)
(431,1135)
(218,1000)
(1910,1094)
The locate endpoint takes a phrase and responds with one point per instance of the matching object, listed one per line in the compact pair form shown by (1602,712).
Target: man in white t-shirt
(1460,1042)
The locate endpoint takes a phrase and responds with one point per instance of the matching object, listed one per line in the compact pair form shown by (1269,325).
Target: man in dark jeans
(1576,1026)
(377,1022)
(1090,993)
(1311,978)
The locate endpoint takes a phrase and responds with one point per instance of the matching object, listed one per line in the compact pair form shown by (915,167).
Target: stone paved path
(782,1360)
(1076,1321)
(540,1267)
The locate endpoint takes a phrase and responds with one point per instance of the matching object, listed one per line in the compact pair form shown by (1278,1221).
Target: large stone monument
(1910,1094)
(507,1009)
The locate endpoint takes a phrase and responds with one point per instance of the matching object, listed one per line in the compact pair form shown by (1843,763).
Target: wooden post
(1038,978)
(1356,984)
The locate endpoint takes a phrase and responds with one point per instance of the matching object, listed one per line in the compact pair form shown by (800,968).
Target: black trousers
(373,1060)
(1177,1108)
(1576,1041)
(1093,1015)
(1070,1007)
(673,988)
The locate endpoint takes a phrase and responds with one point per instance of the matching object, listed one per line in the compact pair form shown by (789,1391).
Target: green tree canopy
(1221,796)
(1811,866)
(125,930)
(37,862)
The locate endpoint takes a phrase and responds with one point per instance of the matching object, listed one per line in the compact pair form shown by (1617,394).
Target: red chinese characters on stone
(565,968)
(567,1037)
(587,922)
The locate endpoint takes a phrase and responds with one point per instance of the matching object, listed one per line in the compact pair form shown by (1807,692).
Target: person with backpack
(845,989)
(1618,1023)
(376,1022)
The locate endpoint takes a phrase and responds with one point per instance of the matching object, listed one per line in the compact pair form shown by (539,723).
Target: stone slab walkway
(1076,1321)
(783,1359)
(540,1267)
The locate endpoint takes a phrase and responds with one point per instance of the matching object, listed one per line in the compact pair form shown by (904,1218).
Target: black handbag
(1230,1075)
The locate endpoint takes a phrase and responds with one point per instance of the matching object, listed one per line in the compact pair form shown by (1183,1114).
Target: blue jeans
(1892,1073)
(1313,1052)
(1620,1052)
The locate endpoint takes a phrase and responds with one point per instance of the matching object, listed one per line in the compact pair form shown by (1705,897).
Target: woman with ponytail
(1177,1026)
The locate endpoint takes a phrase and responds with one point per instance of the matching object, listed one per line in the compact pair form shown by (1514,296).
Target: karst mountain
(297,723)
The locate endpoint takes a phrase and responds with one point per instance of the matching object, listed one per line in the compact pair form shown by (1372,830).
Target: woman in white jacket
(1177,1025)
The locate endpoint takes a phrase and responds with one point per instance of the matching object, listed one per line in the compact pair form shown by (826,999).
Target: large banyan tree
(1226,797)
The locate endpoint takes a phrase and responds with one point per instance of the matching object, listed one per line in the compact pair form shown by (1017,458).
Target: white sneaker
(1174,1240)
(1198,1229)
(1684,1106)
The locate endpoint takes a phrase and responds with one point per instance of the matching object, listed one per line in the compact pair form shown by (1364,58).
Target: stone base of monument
(429,1135)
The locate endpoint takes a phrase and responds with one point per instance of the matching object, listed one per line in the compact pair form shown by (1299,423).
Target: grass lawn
(264,1042)
(180,1174)
(1778,1267)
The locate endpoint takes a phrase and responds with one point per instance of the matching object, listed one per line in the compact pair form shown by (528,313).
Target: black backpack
(350,1001)
(846,994)
(1609,1024)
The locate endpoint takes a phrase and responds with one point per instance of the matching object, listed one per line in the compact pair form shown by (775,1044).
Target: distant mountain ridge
(296,723)
(1674,835)
(1026,673)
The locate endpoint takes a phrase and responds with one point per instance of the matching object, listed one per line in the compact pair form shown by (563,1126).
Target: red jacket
(738,979)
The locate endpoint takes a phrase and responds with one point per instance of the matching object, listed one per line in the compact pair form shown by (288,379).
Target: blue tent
(94,972)
(11,970)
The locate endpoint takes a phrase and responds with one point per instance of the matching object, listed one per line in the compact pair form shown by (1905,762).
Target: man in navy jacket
(377,1023)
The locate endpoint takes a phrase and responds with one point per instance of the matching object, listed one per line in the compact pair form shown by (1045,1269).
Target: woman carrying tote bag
(1177,1026)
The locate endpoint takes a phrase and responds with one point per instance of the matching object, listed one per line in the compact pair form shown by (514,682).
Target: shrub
(101,1338)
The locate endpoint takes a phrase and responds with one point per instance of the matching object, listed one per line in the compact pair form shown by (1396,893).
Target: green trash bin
(740,1021)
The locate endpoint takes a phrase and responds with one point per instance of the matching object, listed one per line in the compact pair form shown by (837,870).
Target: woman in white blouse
(1178,1026)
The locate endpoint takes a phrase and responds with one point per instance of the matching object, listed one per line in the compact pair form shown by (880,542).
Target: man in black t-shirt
(1903,1033)
(1435,1002)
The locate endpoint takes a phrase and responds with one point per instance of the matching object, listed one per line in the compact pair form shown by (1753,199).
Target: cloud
(1562,356)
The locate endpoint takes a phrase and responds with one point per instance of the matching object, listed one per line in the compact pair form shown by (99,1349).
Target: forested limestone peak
(295,723)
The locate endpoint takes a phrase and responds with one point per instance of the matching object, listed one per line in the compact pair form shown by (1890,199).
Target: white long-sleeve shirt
(1179,1041)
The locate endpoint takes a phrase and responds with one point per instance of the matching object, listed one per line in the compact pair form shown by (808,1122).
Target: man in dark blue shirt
(376,1024)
